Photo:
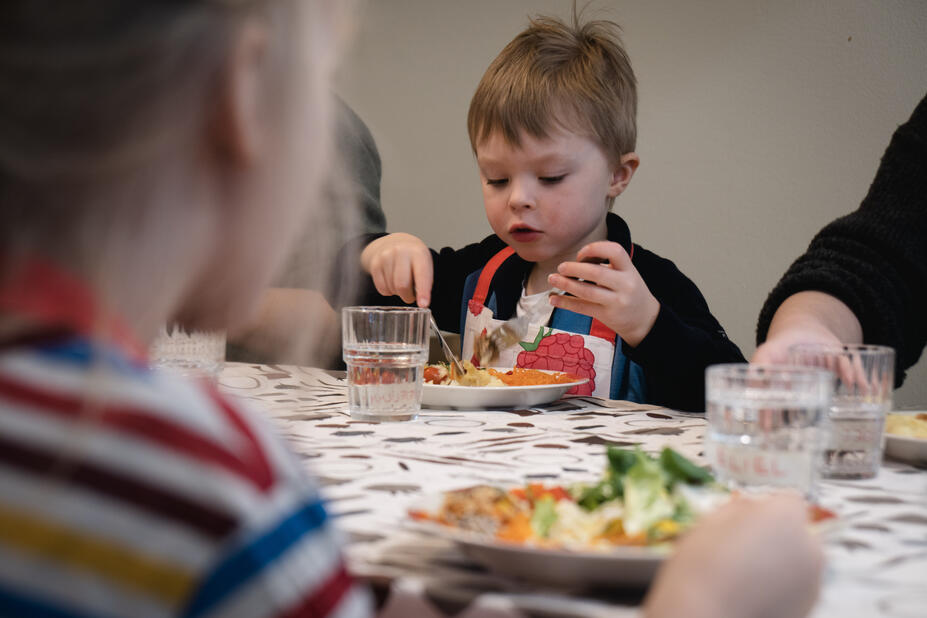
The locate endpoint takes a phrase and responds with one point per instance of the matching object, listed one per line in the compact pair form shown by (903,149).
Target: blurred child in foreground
(155,160)
(552,124)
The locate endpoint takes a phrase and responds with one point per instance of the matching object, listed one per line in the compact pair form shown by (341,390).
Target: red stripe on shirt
(324,599)
(136,492)
(143,424)
(259,459)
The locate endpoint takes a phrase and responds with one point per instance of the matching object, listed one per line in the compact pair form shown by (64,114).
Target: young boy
(552,124)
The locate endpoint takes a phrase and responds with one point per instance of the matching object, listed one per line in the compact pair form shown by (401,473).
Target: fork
(508,333)
(456,368)
(514,330)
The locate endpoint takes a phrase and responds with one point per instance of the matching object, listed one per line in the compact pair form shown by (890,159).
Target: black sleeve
(684,340)
(875,259)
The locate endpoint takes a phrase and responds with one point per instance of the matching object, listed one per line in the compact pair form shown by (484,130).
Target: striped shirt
(127,492)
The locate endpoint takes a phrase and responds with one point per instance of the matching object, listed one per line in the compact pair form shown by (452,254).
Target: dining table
(371,473)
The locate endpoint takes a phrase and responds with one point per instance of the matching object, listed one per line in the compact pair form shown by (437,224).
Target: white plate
(631,566)
(483,397)
(622,566)
(906,448)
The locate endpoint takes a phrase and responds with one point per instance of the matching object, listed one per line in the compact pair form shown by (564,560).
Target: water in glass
(854,440)
(384,380)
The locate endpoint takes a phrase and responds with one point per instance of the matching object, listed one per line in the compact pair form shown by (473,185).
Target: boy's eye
(496,182)
(551,180)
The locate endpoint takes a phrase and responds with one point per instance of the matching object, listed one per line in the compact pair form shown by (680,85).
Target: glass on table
(194,354)
(764,425)
(385,350)
(854,426)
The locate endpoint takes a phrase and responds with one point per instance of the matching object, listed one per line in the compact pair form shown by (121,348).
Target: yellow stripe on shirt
(123,566)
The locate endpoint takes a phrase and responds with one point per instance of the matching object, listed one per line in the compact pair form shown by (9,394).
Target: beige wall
(759,122)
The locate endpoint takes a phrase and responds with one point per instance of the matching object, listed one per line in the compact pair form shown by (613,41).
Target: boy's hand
(400,265)
(613,293)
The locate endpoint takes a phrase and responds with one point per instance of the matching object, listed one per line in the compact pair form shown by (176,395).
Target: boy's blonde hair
(575,76)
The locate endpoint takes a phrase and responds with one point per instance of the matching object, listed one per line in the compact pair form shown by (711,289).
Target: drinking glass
(194,354)
(855,421)
(764,425)
(385,350)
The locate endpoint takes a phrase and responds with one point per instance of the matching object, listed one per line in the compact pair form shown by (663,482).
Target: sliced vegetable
(646,498)
(681,470)
(544,516)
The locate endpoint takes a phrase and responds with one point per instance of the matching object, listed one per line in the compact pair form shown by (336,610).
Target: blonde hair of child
(574,76)
(104,105)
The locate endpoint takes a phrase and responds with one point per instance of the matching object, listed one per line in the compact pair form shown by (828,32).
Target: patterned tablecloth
(877,559)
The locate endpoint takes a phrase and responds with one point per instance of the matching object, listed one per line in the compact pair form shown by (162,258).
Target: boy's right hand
(400,265)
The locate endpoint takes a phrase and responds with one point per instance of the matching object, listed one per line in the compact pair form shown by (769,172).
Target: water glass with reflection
(855,421)
(385,350)
(764,425)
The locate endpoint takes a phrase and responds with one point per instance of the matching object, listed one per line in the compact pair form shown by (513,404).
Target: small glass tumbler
(385,350)
(764,425)
(195,354)
(855,423)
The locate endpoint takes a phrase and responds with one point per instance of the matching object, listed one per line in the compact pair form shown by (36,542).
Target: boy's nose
(521,196)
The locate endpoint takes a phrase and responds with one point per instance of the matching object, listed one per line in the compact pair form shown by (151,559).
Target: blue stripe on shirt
(14,604)
(83,352)
(248,561)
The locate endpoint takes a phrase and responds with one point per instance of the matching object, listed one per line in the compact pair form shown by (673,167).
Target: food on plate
(478,376)
(909,425)
(641,500)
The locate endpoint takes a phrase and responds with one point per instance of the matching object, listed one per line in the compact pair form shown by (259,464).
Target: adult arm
(874,260)
(292,326)
(808,317)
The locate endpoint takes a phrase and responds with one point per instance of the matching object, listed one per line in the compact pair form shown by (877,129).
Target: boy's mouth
(523,233)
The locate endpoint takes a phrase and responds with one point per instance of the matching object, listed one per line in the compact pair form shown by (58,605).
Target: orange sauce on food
(532,377)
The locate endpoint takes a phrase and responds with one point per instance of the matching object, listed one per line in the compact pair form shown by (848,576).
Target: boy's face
(547,198)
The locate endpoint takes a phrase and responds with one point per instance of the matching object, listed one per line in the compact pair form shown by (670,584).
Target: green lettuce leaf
(544,516)
(646,497)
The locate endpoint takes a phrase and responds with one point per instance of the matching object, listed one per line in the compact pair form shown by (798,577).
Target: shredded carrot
(531,377)
(516,530)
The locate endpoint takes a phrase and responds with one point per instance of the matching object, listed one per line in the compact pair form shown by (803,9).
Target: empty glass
(195,354)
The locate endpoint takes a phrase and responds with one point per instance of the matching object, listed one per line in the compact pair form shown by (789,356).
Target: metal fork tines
(457,368)
(508,333)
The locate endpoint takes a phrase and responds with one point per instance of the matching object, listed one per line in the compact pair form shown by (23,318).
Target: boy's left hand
(614,293)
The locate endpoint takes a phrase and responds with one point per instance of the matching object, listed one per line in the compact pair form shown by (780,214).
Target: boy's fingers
(605,249)
(402,279)
(379,272)
(423,275)
(576,305)
(591,291)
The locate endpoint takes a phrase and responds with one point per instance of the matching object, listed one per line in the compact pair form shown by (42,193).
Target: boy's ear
(236,131)
(622,173)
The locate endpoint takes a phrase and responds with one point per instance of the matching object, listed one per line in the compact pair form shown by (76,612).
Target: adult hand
(400,265)
(807,317)
(752,558)
(614,293)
